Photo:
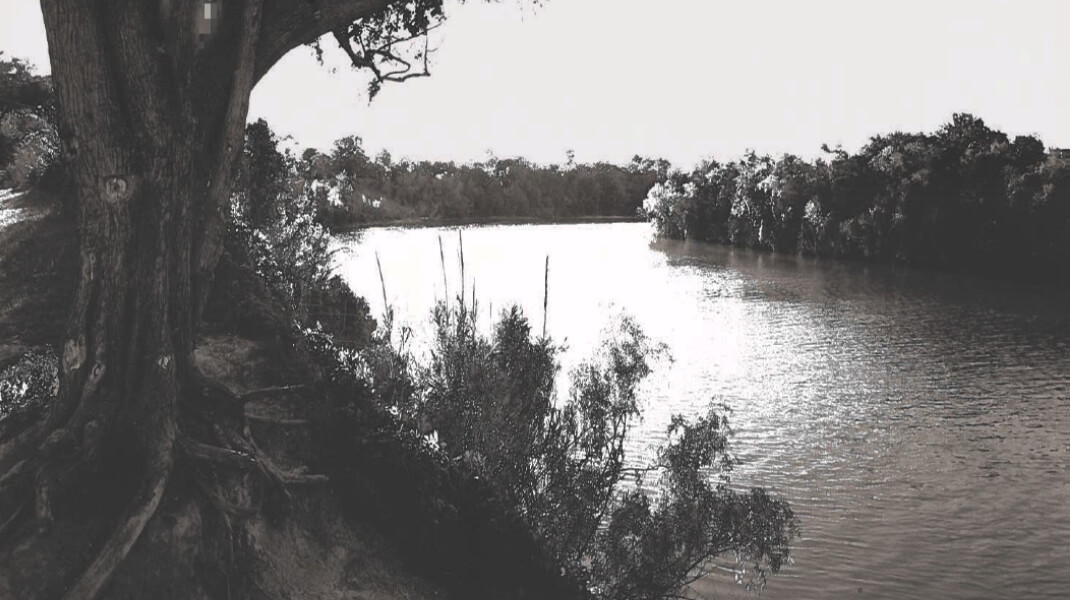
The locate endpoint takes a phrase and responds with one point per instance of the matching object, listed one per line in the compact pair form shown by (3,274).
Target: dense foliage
(274,244)
(490,403)
(29,380)
(29,144)
(350,188)
(967,197)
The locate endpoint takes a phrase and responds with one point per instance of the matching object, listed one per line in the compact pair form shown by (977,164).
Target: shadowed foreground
(330,502)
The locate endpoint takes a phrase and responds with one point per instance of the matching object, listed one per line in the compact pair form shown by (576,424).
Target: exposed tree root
(22,445)
(216,454)
(268,469)
(15,517)
(62,459)
(124,537)
(39,466)
(21,468)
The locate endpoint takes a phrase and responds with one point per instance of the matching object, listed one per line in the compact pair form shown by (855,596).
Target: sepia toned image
(534,299)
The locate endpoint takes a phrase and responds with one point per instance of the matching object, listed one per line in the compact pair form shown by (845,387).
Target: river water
(918,422)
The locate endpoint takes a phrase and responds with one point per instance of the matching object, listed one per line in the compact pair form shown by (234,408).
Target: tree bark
(152,116)
(153,125)
(152,110)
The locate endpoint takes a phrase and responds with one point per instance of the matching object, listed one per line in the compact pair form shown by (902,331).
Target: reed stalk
(382,285)
(460,251)
(442,257)
(545,293)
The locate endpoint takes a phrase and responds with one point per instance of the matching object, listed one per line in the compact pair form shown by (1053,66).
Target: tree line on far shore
(967,197)
(345,186)
(348,188)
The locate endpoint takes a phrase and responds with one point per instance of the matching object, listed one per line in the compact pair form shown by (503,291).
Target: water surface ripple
(918,422)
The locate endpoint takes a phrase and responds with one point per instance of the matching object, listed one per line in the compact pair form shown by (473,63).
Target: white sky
(681,79)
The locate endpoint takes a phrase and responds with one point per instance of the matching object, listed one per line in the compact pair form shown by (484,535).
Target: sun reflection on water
(917,422)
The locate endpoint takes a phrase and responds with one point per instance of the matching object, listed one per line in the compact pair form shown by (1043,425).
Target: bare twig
(374,54)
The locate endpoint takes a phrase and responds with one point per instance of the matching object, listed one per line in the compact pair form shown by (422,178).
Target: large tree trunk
(153,99)
(152,116)
(153,124)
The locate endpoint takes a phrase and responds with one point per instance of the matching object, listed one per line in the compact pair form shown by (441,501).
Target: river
(917,422)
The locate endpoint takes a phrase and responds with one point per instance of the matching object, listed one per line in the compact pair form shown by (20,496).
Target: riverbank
(419,222)
(437,532)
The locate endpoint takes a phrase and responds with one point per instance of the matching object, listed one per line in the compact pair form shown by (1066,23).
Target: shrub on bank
(484,408)
(452,525)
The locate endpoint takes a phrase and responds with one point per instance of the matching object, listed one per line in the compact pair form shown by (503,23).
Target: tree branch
(288,24)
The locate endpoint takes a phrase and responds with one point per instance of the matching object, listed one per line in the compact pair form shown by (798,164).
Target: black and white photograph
(534,299)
